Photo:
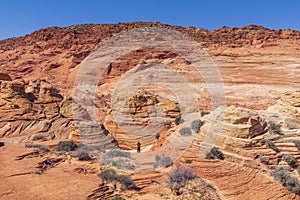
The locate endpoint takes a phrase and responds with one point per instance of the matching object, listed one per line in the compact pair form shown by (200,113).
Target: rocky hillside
(260,129)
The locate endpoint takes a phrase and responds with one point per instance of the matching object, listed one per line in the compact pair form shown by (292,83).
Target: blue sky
(20,17)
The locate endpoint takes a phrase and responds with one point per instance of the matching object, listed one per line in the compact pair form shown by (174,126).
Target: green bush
(116,153)
(188,161)
(290,160)
(110,175)
(178,177)
(196,125)
(38,137)
(214,153)
(117,198)
(271,145)
(274,128)
(37,146)
(185,131)
(66,146)
(121,163)
(92,147)
(289,182)
(81,154)
(165,161)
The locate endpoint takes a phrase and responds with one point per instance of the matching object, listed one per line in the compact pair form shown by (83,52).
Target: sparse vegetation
(282,176)
(196,125)
(188,161)
(290,160)
(37,146)
(297,144)
(117,198)
(178,120)
(66,146)
(264,160)
(271,145)
(185,131)
(110,175)
(38,137)
(121,163)
(274,128)
(203,113)
(157,158)
(82,154)
(178,177)
(165,161)
(116,153)
(92,147)
(214,153)
(157,136)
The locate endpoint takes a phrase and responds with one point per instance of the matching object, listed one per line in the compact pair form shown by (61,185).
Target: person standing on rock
(138,147)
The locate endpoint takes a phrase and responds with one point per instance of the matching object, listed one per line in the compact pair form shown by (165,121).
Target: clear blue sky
(20,17)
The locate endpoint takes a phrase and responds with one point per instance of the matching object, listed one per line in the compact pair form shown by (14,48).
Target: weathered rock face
(239,123)
(137,114)
(288,104)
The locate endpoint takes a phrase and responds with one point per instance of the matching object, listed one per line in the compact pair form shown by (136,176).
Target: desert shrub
(66,146)
(37,146)
(203,113)
(157,158)
(81,154)
(271,145)
(297,144)
(283,177)
(196,125)
(185,131)
(2,144)
(92,147)
(264,160)
(117,198)
(178,120)
(126,182)
(178,177)
(214,153)
(165,161)
(110,175)
(116,153)
(274,128)
(121,163)
(188,161)
(38,137)
(290,160)
(157,136)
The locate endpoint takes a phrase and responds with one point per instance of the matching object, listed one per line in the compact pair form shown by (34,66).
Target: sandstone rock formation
(256,64)
(138,113)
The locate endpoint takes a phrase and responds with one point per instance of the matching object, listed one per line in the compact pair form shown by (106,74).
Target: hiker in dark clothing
(138,147)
